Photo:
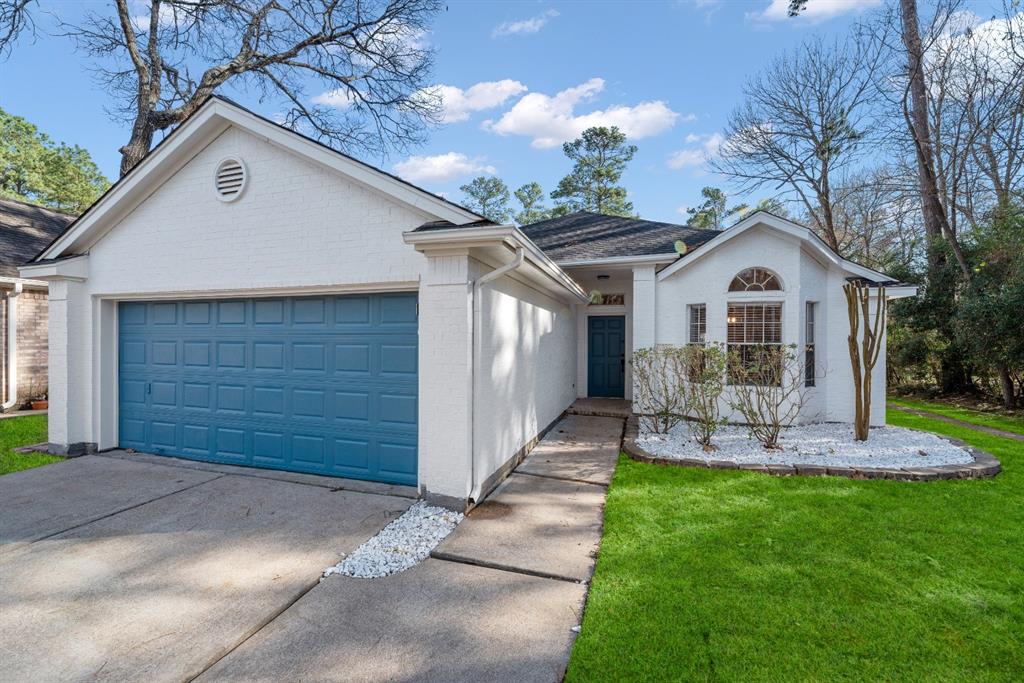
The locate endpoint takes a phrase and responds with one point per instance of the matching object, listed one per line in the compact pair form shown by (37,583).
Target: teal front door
(606,356)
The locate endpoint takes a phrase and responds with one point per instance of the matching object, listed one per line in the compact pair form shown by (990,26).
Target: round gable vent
(230,179)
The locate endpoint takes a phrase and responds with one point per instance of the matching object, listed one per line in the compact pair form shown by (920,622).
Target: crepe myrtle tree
(767,389)
(352,73)
(865,343)
(659,375)
(706,372)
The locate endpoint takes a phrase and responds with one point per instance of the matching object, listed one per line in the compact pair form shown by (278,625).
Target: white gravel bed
(402,544)
(815,444)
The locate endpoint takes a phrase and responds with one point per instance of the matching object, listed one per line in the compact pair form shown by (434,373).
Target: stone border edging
(984,466)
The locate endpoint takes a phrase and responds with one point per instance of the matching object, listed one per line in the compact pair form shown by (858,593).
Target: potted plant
(37,397)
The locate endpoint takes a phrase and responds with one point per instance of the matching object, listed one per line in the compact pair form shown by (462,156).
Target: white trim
(75,268)
(509,235)
(22,281)
(261,292)
(782,225)
(619,261)
(212,119)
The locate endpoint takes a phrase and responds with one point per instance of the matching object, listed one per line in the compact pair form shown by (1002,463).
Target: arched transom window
(755,280)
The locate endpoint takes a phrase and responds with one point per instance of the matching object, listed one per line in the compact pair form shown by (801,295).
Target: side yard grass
(20,431)
(725,575)
(1007,423)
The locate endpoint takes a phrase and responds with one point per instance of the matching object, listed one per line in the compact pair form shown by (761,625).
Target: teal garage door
(325,385)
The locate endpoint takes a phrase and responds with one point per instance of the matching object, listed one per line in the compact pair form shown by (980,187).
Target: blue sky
(667,72)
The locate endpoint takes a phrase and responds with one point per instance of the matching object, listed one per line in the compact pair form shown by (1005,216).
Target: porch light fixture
(603,277)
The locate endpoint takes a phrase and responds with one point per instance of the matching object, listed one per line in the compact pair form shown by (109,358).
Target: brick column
(643,307)
(445,377)
(70,413)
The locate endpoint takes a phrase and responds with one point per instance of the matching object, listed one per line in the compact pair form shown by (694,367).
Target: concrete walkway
(498,600)
(959,423)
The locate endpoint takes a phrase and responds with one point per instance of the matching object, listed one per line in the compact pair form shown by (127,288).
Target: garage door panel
(326,385)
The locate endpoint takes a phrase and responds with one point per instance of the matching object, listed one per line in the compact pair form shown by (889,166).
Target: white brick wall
(527,373)
(805,279)
(297,225)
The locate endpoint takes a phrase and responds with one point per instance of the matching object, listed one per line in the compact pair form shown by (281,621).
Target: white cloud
(441,168)
(459,103)
(551,120)
(696,156)
(815,11)
(341,98)
(168,16)
(523,26)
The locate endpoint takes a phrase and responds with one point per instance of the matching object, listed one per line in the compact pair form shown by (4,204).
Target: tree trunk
(139,144)
(1006,383)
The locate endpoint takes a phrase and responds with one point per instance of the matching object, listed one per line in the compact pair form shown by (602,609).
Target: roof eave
(513,237)
(647,259)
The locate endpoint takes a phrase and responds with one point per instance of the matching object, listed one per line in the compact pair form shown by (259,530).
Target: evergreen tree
(35,169)
(599,156)
(488,197)
(531,197)
(713,214)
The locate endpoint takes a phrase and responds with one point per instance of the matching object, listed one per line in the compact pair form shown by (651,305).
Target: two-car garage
(318,384)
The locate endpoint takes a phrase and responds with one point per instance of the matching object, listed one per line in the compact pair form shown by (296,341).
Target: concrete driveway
(120,568)
(139,567)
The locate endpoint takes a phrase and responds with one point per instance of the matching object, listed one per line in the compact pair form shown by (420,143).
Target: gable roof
(25,229)
(785,226)
(213,117)
(585,236)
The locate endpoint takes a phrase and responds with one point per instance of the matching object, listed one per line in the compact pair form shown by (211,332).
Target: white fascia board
(465,238)
(76,268)
(620,261)
(786,227)
(199,130)
(901,292)
(20,280)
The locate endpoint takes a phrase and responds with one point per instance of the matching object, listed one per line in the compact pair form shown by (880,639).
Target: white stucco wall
(527,371)
(706,280)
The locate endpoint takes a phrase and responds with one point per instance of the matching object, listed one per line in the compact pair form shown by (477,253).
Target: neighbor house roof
(24,230)
(586,236)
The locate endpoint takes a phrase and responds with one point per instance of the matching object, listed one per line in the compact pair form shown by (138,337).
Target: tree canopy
(600,156)
(35,169)
(489,197)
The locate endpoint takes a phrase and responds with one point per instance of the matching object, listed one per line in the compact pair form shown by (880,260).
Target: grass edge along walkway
(958,422)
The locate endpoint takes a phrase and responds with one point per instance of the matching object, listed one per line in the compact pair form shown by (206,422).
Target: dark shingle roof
(584,235)
(25,230)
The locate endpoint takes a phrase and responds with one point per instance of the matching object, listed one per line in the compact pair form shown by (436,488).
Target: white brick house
(246,295)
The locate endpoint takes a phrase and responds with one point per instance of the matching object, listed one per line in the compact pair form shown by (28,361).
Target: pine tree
(600,156)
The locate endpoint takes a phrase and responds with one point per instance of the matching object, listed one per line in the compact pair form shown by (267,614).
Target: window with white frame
(698,323)
(809,344)
(755,280)
(754,332)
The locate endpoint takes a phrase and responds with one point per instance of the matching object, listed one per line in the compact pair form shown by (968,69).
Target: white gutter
(619,261)
(477,359)
(12,348)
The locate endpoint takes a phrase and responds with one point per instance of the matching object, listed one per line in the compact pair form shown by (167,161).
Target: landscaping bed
(817,449)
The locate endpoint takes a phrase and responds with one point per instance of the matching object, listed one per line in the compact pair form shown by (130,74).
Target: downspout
(12,348)
(514,264)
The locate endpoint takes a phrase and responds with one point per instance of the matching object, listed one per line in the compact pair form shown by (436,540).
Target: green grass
(21,431)
(724,575)
(1004,422)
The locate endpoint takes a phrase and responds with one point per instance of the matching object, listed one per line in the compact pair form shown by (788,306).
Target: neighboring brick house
(25,230)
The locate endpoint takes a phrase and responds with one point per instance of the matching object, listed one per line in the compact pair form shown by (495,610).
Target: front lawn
(21,431)
(726,575)
(1007,423)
